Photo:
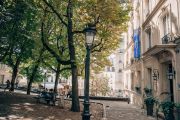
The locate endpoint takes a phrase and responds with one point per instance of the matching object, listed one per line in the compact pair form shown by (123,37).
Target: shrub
(150,100)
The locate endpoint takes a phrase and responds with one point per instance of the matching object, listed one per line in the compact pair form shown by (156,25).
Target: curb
(104,107)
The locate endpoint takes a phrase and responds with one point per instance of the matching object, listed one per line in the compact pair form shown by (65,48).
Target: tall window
(166,24)
(108,69)
(150,77)
(149,38)
(51,78)
(113,69)
(148,32)
(132,81)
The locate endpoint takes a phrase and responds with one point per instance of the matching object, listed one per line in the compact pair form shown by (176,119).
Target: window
(113,69)
(148,32)
(149,77)
(120,70)
(108,69)
(132,81)
(51,78)
(166,24)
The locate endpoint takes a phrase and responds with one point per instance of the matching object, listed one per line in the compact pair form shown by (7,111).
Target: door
(170,78)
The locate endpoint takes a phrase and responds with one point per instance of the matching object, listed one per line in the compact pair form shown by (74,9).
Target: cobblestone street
(123,111)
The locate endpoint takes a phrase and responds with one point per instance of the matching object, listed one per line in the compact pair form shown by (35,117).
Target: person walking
(7,85)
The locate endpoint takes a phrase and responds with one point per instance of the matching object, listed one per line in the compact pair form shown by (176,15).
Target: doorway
(170,78)
(167,69)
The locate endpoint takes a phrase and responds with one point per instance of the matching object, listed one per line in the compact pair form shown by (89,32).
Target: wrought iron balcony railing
(166,39)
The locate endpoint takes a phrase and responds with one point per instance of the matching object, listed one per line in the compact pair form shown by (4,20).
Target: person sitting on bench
(7,85)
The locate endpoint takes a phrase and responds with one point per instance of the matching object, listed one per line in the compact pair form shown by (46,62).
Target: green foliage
(177,105)
(18,30)
(150,100)
(147,90)
(168,107)
(110,17)
(27,70)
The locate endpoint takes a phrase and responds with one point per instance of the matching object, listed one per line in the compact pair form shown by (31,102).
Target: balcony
(166,39)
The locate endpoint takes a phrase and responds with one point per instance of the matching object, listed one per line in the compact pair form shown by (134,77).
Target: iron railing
(166,39)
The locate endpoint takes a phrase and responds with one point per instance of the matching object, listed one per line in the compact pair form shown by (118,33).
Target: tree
(99,85)
(34,70)
(26,69)
(109,17)
(18,32)
(5,18)
(4,48)
(56,67)
(75,99)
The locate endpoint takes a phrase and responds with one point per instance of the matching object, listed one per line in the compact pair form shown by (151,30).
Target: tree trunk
(57,78)
(14,74)
(75,97)
(34,72)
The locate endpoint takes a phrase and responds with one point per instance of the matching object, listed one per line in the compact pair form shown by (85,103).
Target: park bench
(47,98)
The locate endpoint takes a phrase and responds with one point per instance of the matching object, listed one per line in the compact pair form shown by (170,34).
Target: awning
(158,48)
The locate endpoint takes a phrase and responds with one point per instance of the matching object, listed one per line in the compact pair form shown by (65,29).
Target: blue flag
(137,45)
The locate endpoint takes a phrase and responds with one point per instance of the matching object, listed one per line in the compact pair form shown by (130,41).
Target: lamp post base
(86,116)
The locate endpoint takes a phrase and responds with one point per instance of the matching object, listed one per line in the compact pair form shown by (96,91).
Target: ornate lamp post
(171,76)
(90,32)
(155,74)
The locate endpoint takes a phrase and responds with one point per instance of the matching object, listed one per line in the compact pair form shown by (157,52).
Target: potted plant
(168,109)
(137,88)
(149,101)
(177,111)
(147,91)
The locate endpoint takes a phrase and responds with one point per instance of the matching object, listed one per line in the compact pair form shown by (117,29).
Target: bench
(46,97)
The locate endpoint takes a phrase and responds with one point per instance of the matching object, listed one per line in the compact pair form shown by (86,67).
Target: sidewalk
(123,111)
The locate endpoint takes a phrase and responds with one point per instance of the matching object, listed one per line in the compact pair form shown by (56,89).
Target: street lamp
(90,32)
(155,74)
(170,73)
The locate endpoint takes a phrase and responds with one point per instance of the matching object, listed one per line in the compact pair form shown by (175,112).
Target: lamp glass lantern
(155,74)
(90,33)
(170,76)
(154,77)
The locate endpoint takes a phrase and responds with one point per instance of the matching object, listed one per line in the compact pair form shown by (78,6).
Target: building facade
(152,50)
(6,74)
